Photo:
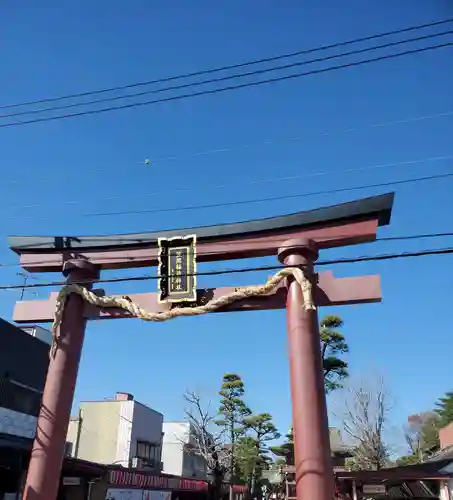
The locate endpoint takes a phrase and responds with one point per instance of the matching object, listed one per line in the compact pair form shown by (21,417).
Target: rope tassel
(127,305)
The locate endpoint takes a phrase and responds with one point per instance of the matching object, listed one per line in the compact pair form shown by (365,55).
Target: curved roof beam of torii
(338,225)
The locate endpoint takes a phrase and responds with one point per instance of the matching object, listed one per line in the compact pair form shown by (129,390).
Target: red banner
(141,480)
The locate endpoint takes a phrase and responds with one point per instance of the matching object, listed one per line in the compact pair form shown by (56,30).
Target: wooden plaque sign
(177,269)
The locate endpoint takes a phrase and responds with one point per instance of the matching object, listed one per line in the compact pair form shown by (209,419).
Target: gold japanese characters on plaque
(177,269)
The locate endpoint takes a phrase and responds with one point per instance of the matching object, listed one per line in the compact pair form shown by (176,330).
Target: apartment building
(23,367)
(179,455)
(118,431)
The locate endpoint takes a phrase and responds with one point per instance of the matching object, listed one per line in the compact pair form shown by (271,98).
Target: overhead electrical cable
(225,78)
(251,201)
(266,142)
(227,88)
(234,66)
(347,260)
(251,183)
(266,200)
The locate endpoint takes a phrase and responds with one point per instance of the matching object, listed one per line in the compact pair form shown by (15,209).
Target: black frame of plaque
(177,269)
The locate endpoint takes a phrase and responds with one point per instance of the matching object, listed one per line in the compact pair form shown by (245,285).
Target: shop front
(124,484)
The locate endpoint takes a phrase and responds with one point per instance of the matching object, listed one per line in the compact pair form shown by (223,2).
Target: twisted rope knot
(128,305)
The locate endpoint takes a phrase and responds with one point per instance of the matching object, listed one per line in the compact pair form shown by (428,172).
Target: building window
(16,397)
(148,452)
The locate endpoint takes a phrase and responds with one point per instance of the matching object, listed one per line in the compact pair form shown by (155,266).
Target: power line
(266,200)
(233,66)
(403,121)
(252,201)
(256,182)
(375,258)
(226,78)
(268,142)
(365,258)
(415,236)
(26,277)
(228,88)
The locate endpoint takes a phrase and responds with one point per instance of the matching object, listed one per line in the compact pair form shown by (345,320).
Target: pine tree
(286,449)
(247,458)
(261,430)
(445,409)
(232,411)
(333,344)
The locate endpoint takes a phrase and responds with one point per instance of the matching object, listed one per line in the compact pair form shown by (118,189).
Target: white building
(179,455)
(119,431)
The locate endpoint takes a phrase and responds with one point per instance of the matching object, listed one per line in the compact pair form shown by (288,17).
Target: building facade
(179,454)
(39,333)
(120,431)
(23,367)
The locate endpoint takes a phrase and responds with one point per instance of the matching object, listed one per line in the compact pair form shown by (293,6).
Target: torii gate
(296,239)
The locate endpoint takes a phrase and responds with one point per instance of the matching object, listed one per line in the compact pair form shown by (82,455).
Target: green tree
(422,431)
(445,409)
(286,449)
(429,432)
(333,345)
(247,458)
(422,435)
(260,431)
(232,411)
(351,465)
(408,460)
(232,408)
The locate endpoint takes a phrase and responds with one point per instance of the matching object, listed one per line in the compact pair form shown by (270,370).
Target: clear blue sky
(65,47)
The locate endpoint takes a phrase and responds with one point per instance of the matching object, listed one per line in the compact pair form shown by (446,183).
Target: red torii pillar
(344,224)
(43,476)
(313,462)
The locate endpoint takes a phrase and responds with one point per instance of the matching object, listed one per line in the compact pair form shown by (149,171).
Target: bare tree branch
(206,438)
(366,414)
